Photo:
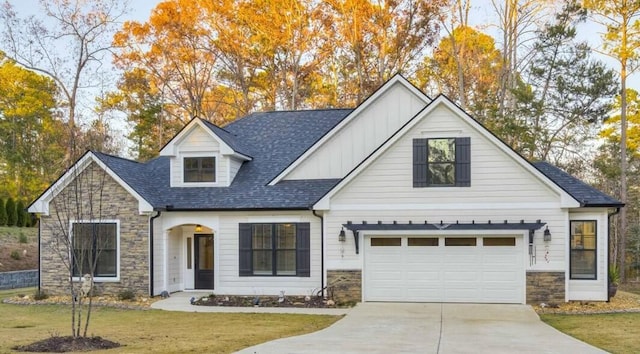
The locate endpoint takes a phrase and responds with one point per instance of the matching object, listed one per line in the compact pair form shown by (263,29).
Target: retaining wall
(18,279)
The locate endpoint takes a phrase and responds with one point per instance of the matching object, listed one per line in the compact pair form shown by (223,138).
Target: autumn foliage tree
(31,145)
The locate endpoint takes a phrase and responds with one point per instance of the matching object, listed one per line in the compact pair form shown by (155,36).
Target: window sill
(99,279)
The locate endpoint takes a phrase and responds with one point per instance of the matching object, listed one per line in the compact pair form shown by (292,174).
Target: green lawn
(155,331)
(616,333)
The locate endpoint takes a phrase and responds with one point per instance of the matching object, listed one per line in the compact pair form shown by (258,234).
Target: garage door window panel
(498,241)
(386,241)
(583,250)
(423,241)
(460,241)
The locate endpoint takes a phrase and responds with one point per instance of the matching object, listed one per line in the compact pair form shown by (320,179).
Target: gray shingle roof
(274,140)
(582,192)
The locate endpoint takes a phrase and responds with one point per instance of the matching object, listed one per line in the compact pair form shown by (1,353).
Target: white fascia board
(41,205)
(384,88)
(566,200)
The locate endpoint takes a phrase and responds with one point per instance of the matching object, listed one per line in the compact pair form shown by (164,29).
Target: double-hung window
(95,249)
(441,162)
(583,249)
(199,169)
(274,249)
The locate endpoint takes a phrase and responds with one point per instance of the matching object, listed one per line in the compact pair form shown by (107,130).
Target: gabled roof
(123,171)
(229,143)
(567,200)
(397,79)
(268,143)
(272,139)
(587,195)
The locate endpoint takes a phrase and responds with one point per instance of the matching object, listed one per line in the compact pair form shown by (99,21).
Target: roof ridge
(95,152)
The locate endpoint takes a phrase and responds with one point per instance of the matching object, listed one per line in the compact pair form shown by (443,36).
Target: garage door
(484,269)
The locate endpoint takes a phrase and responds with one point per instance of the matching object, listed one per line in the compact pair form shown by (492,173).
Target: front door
(204,261)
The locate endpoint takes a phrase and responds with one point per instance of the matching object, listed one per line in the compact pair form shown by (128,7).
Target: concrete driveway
(432,328)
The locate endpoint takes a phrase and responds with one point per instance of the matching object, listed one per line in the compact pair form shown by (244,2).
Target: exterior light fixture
(198,228)
(547,234)
(342,237)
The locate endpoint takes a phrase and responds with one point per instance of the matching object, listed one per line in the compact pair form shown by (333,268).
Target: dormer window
(200,169)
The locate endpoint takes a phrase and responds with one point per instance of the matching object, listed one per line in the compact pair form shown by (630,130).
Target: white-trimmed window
(96,245)
(198,169)
(583,249)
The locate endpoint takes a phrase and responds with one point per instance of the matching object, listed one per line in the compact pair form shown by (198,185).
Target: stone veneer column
(110,202)
(547,287)
(345,285)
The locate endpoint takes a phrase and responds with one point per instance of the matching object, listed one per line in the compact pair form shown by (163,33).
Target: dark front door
(204,261)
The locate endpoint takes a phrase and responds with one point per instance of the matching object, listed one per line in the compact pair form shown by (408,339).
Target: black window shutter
(303,250)
(463,162)
(245,266)
(419,163)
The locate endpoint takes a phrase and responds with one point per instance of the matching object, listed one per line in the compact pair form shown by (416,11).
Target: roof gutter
(609,216)
(151,280)
(321,251)
(171,208)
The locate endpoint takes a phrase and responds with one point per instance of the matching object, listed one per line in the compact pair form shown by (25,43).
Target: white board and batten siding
(225,227)
(228,280)
(501,189)
(584,289)
(361,135)
(197,142)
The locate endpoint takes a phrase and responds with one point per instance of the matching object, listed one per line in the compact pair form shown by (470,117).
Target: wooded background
(536,84)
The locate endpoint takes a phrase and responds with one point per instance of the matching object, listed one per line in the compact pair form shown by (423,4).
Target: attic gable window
(199,169)
(442,162)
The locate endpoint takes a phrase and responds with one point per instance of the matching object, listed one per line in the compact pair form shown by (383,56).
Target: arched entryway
(190,257)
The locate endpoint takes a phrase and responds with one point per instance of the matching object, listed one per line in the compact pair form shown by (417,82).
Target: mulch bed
(67,344)
(264,301)
(621,303)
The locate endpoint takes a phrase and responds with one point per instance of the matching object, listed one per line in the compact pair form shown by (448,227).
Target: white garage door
(484,269)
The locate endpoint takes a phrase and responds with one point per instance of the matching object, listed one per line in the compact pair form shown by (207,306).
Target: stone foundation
(345,285)
(547,287)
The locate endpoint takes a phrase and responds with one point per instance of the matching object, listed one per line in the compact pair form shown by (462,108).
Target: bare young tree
(80,240)
(70,46)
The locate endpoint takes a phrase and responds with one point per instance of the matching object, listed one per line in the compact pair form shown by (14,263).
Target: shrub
(3,213)
(22,238)
(40,295)
(126,294)
(12,212)
(20,214)
(16,255)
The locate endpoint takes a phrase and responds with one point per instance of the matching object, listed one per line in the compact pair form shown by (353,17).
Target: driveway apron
(432,328)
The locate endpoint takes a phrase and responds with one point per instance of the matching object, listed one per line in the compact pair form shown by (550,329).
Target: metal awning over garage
(441,226)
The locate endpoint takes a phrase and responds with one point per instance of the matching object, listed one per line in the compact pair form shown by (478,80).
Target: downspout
(609,215)
(321,251)
(39,254)
(151,219)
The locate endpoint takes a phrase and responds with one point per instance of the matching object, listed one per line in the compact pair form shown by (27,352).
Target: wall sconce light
(547,234)
(342,237)
(198,228)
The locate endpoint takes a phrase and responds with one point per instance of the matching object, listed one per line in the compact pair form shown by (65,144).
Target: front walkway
(181,302)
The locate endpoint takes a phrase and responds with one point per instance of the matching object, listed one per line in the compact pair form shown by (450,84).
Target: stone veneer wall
(345,285)
(109,201)
(547,287)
